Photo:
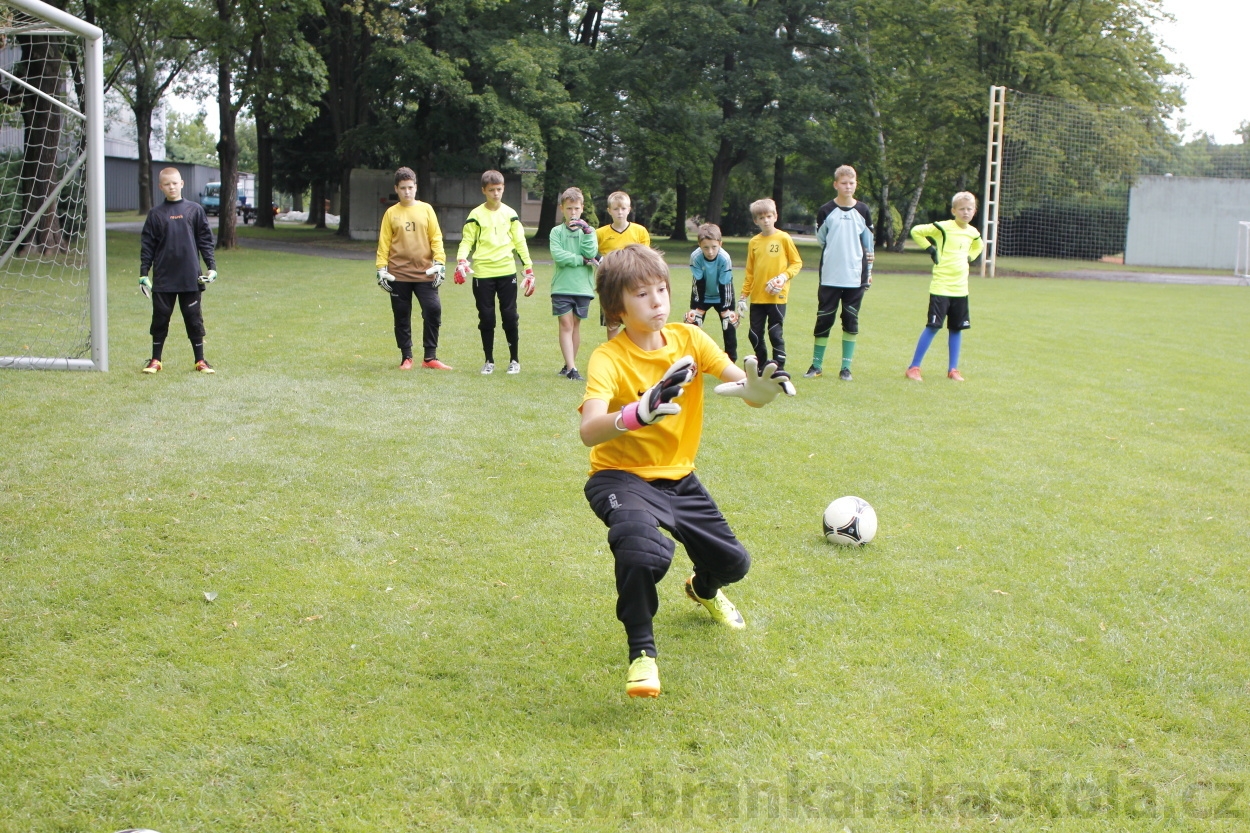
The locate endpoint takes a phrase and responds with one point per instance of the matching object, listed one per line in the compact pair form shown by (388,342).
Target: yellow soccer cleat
(643,679)
(722,610)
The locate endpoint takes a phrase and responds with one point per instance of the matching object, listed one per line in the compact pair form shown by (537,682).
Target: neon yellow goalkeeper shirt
(956,247)
(491,240)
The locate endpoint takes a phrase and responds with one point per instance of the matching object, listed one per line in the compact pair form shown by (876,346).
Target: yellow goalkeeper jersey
(492,239)
(956,248)
(620,372)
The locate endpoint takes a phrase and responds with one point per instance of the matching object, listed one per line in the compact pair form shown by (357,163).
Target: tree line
(695,107)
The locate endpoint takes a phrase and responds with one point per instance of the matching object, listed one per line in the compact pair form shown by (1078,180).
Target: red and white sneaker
(406,364)
(913,373)
(435,364)
(955,376)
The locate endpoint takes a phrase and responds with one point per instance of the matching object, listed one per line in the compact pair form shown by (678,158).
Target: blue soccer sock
(954,342)
(922,346)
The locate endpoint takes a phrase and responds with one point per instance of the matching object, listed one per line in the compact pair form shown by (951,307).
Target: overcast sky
(1212,39)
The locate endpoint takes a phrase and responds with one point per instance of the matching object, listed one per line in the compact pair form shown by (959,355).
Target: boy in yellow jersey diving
(642,417)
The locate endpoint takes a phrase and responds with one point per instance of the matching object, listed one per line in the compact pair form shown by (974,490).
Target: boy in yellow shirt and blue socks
(952,244)
(494,238)
(642,417)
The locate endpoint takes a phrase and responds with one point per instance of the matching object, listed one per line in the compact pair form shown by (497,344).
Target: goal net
(1059,173)
(1067,167)
(52,252)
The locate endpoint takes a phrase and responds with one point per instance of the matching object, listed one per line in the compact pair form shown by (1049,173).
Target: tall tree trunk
(912,204)
(727,158)
(885,234)
(679,212)
(297,201)
(143,134)
(345,199)
(228,145)
(264,174)
(42,60)
(317,204)
(547,214)
(779,179)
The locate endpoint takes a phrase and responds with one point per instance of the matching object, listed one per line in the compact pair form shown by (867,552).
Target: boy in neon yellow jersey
(642,418)
(410,262)
(617,235)
(494,238)
(952,244)
(772,261)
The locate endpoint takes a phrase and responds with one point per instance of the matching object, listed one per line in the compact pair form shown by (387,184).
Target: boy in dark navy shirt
(175,237)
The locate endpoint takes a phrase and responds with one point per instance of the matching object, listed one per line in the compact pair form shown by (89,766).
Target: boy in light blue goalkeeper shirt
(844,231)
(713,286)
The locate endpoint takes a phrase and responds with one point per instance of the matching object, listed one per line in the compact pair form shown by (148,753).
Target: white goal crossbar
(26,19)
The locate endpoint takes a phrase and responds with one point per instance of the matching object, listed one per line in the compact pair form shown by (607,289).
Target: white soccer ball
(850,521)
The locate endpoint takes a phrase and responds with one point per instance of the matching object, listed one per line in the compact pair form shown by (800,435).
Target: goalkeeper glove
(742,307)
(582,226)
(527,282)
(728,319)
(695,317)
(775,286)
(145,286)
(439,272)
(759,387)
(933,253)
(657,402)
(384,280)
(205,280)
(463,270)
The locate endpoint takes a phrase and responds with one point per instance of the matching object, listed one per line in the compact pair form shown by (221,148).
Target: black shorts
(953,310)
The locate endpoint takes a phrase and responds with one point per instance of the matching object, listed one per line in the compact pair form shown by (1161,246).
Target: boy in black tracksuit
(175,237)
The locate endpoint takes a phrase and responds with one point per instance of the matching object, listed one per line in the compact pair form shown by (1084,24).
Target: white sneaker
(514,367)
(488,368)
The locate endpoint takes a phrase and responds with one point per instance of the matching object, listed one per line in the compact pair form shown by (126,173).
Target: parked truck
(246,193)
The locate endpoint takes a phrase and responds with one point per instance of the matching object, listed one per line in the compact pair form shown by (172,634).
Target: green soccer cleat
(722,610)
(643,679)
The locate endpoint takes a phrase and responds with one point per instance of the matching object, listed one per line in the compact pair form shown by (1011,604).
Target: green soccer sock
(818,355)
(848,349)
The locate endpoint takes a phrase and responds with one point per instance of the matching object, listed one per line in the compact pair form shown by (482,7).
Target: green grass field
(411,622)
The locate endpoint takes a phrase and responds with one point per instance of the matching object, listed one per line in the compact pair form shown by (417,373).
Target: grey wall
(453,197)
(1185,221)
(121,182)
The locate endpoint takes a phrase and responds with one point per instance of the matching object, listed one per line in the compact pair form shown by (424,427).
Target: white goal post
(1241,268)
(53,304)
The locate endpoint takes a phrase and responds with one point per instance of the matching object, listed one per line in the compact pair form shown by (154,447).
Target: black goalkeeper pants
(431,316)
(766,320)
(192,318)
(634,510)
(485,291)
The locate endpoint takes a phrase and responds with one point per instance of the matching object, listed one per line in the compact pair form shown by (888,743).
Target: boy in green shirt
(952,244)
(493,237)
(574,248)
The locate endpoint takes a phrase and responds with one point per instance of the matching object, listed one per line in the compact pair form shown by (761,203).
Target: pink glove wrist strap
(629,417)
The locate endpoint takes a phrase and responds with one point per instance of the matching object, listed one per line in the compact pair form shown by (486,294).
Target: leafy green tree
(147,49)
(188,139)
